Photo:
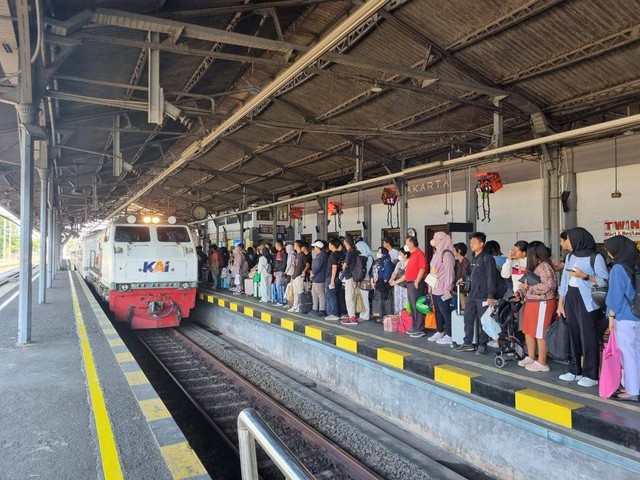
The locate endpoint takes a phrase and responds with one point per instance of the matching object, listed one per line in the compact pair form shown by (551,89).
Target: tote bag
(611,372)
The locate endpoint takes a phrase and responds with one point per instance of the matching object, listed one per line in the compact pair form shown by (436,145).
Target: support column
(471,201)
(26,114)
(323,230)
(274,222)
(401,185)
(366,224)
(44,181)
(54,244)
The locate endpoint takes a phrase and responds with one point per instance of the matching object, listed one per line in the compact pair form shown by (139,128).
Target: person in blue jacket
(624,253)
(382,291)
(576,304)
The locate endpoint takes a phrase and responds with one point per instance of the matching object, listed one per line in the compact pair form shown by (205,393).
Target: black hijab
(582,242)
(624,251)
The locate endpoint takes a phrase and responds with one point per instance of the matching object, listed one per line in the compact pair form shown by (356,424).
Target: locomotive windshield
(132,234)
(173,234)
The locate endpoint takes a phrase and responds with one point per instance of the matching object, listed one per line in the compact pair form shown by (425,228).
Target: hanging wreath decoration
(335,210)
(389,198)
(296,213)
(488,183)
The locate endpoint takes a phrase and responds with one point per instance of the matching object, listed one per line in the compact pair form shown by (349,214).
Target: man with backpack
(483,288)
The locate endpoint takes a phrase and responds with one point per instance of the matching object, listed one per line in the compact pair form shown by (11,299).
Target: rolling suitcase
(248,286)
(306,302)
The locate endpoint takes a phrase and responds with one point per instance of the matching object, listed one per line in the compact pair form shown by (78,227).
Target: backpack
(598,292)
(360,269)
(560,346)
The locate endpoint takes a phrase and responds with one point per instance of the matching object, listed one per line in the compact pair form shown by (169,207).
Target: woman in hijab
(239,268)
(400,297)
(380,276)
(443,272)
(576,304)
(624,253)
(365,285)
(264,269)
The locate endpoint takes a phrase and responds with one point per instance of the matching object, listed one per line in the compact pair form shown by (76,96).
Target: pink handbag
(611,372)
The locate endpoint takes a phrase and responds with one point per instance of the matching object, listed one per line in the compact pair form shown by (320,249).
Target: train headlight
(155,220)
(185,285)
(172,220)
(147,219)
(125,287)
(131,219)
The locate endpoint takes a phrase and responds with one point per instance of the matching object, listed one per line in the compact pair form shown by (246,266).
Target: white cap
(318,244)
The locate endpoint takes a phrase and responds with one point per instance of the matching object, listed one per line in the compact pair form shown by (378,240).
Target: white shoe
(493,344)
(526,361)
(332,317)
(444,340)
(293,309)
(569,377)
(587,382)
(435,337)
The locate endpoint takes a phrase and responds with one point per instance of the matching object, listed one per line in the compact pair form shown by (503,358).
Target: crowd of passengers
(397,276)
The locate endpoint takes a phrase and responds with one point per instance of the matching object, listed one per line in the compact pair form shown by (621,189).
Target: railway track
(220,394)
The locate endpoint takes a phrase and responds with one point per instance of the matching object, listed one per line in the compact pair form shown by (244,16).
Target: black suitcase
(306,302)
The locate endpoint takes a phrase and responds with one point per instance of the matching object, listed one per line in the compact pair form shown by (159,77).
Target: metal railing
(251,429)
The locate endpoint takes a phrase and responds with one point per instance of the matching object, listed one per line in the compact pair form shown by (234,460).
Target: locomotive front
(150,269)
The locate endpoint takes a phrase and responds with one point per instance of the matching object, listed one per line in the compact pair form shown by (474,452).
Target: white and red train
(146,268)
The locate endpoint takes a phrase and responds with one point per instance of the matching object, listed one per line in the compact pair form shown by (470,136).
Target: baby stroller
(506,315)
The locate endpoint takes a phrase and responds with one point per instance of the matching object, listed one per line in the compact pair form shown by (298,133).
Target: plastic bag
(611,372)
(489,325)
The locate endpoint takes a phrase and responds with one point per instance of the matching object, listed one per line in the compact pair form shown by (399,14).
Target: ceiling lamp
(375,88)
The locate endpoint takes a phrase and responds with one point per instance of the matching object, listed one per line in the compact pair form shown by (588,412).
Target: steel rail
(338,456)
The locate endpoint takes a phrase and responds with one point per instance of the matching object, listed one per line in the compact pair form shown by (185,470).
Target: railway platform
(563,413)
(75,404)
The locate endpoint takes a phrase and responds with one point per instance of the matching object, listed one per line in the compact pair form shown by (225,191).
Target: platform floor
(541,395)
(53,423)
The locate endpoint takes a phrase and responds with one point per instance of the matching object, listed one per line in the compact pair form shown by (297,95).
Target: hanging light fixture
(375,88)
(615,193)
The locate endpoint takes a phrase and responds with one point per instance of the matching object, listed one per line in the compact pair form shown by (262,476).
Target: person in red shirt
(413,275)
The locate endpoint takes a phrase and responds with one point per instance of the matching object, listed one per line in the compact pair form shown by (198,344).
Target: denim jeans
(280,288)
(332,298)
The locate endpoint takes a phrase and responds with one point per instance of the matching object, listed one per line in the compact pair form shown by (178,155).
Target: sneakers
(363,319)
(417,334)
(569,377)
(332,317)
(587,382)
(349,321)
(444,340)
(538,367)
(481,350)
(435,337)
(465,347)
(294,310)
(525,361)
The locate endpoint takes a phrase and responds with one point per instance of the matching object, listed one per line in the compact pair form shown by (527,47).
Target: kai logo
(153,267)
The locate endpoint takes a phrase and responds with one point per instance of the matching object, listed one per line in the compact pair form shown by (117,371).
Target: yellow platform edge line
(210,298)
(233,306)
(248,311)
(154,409)
(106,440)
(548,407)
(116,342)
(455,377)
(124,357)
(392,356)
(221,302)
(265,317)
(287,323)
(136,378)
(314,332)
(347,342)
(182,461)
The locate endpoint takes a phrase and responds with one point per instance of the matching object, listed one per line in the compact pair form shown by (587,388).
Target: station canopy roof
(417,81)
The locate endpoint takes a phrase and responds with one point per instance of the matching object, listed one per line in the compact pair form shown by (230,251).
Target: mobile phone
(570,270)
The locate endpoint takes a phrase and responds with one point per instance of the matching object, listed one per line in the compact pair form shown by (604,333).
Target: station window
(132,234)
(173,234)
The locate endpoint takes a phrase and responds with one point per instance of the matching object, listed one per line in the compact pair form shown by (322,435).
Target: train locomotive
(145,268)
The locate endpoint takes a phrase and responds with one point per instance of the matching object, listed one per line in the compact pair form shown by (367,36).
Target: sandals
(632,398)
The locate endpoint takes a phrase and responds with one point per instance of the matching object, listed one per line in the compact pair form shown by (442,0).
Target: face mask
(379,255)
(406,249)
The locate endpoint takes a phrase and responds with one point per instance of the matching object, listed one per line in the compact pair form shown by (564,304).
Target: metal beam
(330,40)
(244,7)
(156,97)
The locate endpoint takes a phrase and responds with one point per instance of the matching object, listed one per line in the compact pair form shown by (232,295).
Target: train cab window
(132,234)
(173,234)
